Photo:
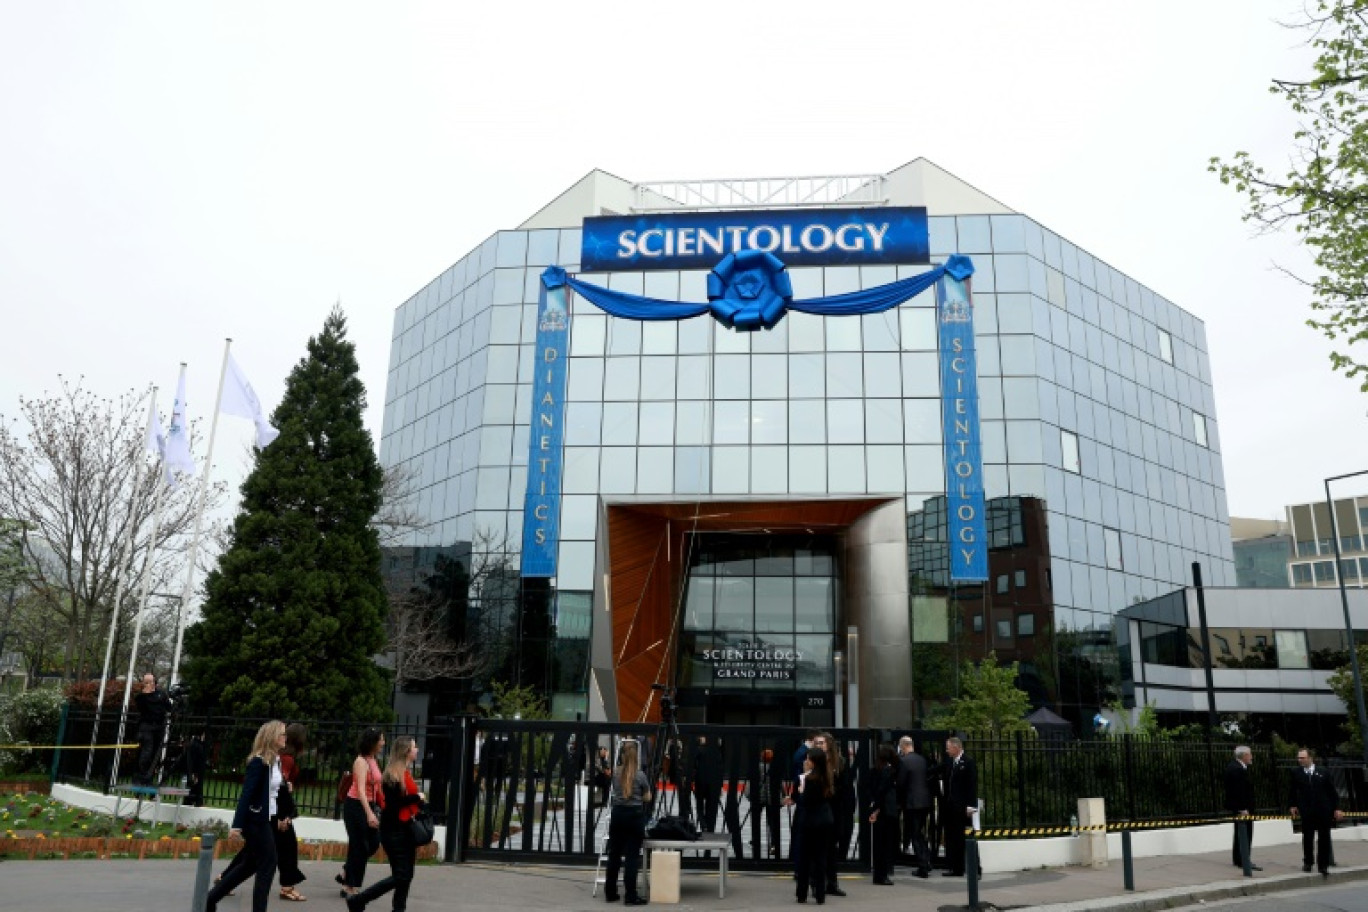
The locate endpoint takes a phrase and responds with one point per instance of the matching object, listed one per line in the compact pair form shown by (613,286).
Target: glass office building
(741,512)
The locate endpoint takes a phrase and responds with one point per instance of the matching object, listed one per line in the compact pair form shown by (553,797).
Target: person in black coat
(1315,801)
(1239,800)
(914,794)
(843,806)
(707,782)
(883,814)
(814,793)
(766,792)
(256,805)
(960,779)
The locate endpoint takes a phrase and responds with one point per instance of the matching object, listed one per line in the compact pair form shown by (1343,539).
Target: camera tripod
(668,744)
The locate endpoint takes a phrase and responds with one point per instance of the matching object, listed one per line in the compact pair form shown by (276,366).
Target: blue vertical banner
(960,420)
(541,506)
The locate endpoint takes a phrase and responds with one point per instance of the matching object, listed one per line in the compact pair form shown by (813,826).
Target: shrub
(30,717)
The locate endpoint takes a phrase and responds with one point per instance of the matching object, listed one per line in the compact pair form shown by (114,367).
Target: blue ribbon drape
(750,290)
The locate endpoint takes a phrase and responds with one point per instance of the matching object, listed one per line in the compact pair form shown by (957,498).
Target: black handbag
(421,828)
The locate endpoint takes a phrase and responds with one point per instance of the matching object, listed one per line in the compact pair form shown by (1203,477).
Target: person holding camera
(631,791)
(153,708)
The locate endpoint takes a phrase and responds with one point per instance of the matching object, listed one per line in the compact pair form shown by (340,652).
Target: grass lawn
(28,815)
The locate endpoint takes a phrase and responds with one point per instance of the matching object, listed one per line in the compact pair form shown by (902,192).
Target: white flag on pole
(241,400)
(156,445)
(177,452)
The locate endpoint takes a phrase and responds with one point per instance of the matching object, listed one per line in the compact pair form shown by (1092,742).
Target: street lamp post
(1348,624)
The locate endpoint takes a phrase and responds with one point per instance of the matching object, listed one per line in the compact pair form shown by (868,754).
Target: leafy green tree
(1342,683)
(1321,197)
(990,703)
(295,610)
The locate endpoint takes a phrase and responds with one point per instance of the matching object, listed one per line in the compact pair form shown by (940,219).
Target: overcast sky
(175,173)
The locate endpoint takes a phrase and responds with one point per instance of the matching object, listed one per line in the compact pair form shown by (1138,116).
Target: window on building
(1292,651)
(1199,428)
(1068,445)
(1002,584)
(1165,346)
(1326,547)
(1349,543)
(1363,517)
(1325,571)
(1025,625)
(978,623)
(1306,549)
(1020,580)
(1301,574)
(1350,570)
(1113,542)
(1004,630)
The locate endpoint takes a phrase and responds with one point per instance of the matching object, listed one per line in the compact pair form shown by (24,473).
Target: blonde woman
(252,820)
(627,823)
(402,801)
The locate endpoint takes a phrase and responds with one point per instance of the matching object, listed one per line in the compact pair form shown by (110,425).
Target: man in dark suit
(961,801)
(766,792)
(707,782)
(1315,801)
(914,796)
(1239,800)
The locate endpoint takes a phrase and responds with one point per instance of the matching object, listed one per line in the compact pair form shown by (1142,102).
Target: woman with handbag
(252,819)
(627,824)
(361,811)
(402,802)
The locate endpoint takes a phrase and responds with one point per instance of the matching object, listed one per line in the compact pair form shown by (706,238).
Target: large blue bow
(750,290)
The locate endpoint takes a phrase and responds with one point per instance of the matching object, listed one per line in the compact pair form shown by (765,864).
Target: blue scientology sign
(960,419)
(541,507)
(798,237)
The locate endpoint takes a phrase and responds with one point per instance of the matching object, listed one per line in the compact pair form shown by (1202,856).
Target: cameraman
(153,707)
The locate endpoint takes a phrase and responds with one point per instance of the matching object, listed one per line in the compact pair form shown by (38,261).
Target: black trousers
(287,855)
(708,801)
(885,847)
(914,834)
(626,832)
(818,843)
(1248,826)
(362,841)
(1318,832)
(260,851)
(770,813)
(402,853)
(954,825)
(149,747)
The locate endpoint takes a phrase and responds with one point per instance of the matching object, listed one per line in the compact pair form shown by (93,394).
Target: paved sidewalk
(1166,882)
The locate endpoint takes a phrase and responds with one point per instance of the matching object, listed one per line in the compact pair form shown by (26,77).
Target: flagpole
(124,554)
(188,590)
(146,586)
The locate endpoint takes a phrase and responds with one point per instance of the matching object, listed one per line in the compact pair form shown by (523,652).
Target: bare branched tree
(75,474)
(446,603)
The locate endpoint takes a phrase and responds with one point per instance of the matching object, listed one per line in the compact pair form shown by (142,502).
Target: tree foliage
(295,610)
(990,703)
(1342,683)
(78,491)
(1322,196)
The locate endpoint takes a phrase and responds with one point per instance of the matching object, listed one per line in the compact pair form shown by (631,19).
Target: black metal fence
(527,788)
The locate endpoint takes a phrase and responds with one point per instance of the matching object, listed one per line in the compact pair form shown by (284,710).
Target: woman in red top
(402,801)
(287,843)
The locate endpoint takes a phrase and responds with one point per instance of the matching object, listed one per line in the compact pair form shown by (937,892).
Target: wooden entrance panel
(647,568)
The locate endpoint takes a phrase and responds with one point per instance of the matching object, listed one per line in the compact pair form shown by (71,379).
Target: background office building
(760,517)
(1312,563)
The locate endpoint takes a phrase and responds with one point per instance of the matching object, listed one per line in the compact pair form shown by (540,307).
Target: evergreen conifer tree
(295,610)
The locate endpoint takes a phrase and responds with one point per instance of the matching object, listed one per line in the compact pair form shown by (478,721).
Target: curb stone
(1178,897)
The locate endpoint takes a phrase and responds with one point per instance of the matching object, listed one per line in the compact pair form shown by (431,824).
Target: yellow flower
(129,836)
(41,836)
(166,839)
(84,827)
(194,839)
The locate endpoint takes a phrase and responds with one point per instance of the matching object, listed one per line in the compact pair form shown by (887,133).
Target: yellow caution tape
(999,832)
(64,747)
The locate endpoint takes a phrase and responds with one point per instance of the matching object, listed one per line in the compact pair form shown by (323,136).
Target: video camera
(668,703)
(177,695)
